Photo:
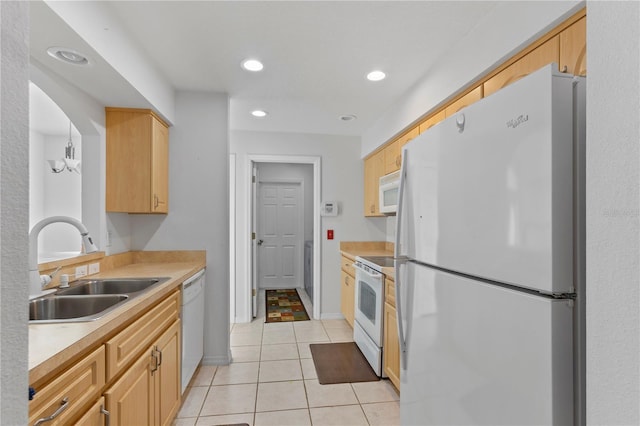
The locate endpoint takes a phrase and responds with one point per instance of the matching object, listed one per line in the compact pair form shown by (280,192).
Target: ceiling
(316,54)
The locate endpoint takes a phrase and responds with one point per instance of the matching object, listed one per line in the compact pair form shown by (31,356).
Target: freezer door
(488,192)
(480,354)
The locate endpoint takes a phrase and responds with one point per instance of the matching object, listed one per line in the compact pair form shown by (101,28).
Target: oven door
(369,300)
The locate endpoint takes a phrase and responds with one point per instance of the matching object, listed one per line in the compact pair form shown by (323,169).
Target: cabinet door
(130,399)
(473,96)
(542,55)
(346,265)
(390,291)
(392,157)
(137,161)
(73,389)
(391,345)
(128,165)
(431,121)
(95,416)
(573,48)
(373,170)
(160,168)
(167,377)
(393,152)
(347,296)
(125,346)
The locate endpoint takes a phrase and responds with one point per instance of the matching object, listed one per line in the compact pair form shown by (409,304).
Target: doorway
(284,265)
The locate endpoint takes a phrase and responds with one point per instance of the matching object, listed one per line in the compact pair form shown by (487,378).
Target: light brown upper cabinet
(137,161)
(373,170)
(431,121)
(473,96)
(544,54)
(392,157)
(573,48)
(393,151)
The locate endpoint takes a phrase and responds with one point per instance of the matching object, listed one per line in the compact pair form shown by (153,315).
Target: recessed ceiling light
(67,55)
(348,117)
(252,65)
(376,76)
(259,113)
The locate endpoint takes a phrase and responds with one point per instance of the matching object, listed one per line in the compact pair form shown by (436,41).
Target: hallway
(272,381)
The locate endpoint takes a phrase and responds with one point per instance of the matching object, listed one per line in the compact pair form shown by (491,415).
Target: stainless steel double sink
(89,300)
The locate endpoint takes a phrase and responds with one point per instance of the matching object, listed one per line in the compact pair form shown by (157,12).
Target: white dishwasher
(192,316)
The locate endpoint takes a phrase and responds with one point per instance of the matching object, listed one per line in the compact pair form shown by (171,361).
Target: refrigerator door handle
(401,340)
(403,176)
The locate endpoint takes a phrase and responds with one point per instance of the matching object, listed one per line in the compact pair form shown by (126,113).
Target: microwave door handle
(359,268)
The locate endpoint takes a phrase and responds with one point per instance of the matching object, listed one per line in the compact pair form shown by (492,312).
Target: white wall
(90,20)
(36,178)
(198,216)
(509,27)
(341,181)
(296,172)
(14,210)
(88,117)
(62,197)
(613,214)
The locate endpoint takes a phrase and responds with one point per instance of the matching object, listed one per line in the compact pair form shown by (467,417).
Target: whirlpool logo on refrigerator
(515,122)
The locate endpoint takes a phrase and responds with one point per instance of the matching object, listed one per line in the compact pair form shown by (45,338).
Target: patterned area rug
(285,305)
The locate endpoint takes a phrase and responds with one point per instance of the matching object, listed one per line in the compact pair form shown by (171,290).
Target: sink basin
(110,286)
(73,308)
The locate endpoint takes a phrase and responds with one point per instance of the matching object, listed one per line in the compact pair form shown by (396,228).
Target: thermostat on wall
(329,208)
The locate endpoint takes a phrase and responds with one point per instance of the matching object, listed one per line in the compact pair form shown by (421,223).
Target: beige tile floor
(272,381)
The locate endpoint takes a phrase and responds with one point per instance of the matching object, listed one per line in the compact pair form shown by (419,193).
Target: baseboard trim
(331,316)
(216,360)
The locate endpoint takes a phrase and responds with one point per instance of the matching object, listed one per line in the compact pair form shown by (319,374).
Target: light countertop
(52,345)
(351,249)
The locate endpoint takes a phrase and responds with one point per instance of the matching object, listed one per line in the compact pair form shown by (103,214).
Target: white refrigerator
(490,260)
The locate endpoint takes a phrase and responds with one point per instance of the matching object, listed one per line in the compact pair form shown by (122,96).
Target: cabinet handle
(373,208)
(155,201)
(154,366)
(107,416)
(160,358)
(63,406)
(564,69)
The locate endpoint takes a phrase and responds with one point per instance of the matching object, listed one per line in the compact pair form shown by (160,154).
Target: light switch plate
(94,268)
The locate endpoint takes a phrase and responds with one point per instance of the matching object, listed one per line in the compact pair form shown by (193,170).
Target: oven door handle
(377,275)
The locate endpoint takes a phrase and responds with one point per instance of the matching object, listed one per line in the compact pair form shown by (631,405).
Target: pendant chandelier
(68,162)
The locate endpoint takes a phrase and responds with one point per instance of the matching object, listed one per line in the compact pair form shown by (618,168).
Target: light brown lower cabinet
(149,392)
(95,416)
(347,297)
(391,343)
(65,397)
(132,379)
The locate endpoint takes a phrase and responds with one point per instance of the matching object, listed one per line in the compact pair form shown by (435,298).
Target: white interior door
(280,234)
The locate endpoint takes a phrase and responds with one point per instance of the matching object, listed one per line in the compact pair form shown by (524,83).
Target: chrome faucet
(36,280)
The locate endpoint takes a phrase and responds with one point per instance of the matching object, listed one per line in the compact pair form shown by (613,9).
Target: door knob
(260,242)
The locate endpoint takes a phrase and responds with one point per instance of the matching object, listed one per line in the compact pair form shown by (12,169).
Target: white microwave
(388,192)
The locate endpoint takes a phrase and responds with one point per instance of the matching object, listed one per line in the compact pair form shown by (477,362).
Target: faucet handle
(46,279)
(53,274)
